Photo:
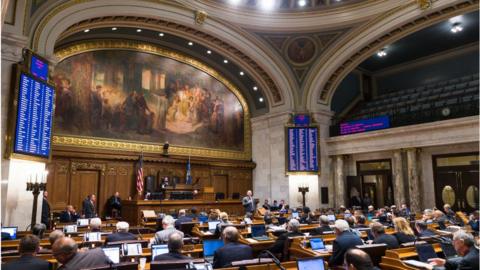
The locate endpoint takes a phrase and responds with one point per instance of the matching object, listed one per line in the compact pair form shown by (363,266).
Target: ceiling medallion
(200,17)
(301,50)
(424,4)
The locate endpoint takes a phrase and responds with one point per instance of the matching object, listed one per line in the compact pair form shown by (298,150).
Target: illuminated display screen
(364,125)
(39,68)
(302,149)
(34,117)
(301,120)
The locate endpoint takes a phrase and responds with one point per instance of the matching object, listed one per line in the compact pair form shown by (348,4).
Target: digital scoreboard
(38,67)
(364,125)
(34,116)
(302,149)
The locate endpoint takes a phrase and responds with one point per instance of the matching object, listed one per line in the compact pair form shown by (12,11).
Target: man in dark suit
(464,244)
(380,237)
(232,250)
(88,206)
(182,218)
(324,226)
(175,245)
(65,250)
(69,215)
(28,248)
(114,205)
(423,230)
(358,259)
(248,203)
(344,241)
(45,210)
(293,229)
(122,233)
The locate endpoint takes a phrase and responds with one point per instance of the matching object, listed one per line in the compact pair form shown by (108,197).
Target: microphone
(275,259)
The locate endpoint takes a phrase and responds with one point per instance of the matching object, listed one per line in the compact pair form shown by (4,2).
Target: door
(83,183)
(447,189)
(469,190)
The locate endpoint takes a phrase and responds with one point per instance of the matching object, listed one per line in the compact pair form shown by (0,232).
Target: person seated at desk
(122,233)
(275,206)
(360,222)
(39,229)
(357,259)
(440,219)
(323,227)
(95,225)
(449,212)
(351,223)
(404,211)
(463,243)
(193,213)
(403,232)
(213,216)
(266,205)
(69,215)
(65,250)
(423,230)
(474,221)
(344,241)
(52,237)
(182,218)
(28,247)
(285,209)
(427,215)
(168,228)
(114,206)
(293,229)
(371,213)
(380,237)
(232,250)
(175,245)
(224,218)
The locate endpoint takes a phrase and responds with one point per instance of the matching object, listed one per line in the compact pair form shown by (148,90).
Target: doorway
(456,181)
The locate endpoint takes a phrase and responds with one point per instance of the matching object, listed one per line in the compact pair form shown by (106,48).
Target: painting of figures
(143,97)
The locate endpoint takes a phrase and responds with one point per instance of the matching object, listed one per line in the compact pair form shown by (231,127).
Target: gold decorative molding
(87,166)
(104,143)
(200,17)
(424,4)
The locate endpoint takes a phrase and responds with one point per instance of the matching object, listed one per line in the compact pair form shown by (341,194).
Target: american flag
(140,174)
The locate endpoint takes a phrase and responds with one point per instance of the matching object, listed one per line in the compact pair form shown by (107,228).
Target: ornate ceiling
(294,55)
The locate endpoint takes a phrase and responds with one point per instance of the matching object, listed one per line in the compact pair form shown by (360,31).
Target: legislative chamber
(240,134)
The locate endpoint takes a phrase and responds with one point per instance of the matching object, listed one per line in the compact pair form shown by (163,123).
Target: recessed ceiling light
(190,43)
(267,4)
(302,3)
(86,30)
(260,99)
(114,29)
(382,53)
(161,34)
(225,61)
(139,30)
(255,88)
(209,52)
(241,73)
(456,27)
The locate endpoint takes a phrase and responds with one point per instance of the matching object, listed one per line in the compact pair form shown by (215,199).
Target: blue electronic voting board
(34,117)
(302,149)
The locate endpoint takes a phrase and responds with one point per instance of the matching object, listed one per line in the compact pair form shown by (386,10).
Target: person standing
(88,206)
(248,203)
(45,210)
(114,205)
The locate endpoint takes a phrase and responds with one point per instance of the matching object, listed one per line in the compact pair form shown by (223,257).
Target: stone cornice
(453,131)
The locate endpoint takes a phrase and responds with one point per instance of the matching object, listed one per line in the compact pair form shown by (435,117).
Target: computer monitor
(425,252)
(314,263)
(347,215)
(82,222)
(202,219)
(92,237)
(113,253)
(258,230)
(212,225)
(210,245)
(12,231)
(295,215)
(132,249)
(70,229)
(317,243)
(331,218)
(159,250)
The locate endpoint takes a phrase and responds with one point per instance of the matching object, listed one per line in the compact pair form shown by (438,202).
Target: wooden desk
(408,252)
(132,210)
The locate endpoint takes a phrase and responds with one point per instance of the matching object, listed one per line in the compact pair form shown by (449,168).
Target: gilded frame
(134,146)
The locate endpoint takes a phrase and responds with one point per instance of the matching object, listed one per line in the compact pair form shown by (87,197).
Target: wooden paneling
(83,182)
(58,183)
(220,184)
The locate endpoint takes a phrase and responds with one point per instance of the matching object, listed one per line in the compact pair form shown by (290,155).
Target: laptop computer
(113,253)
(314,263)
(259,233)
(70,229)
(159,250)
(12,231)
(331,218)
(317,244)
(212,226)
(425,252)
(82,222)
(209,248)
(92,237)
(132,249)
(448,250)
(295,215)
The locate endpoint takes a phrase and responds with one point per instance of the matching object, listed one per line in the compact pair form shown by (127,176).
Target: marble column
(339,181)
(398,186)
(413,180)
